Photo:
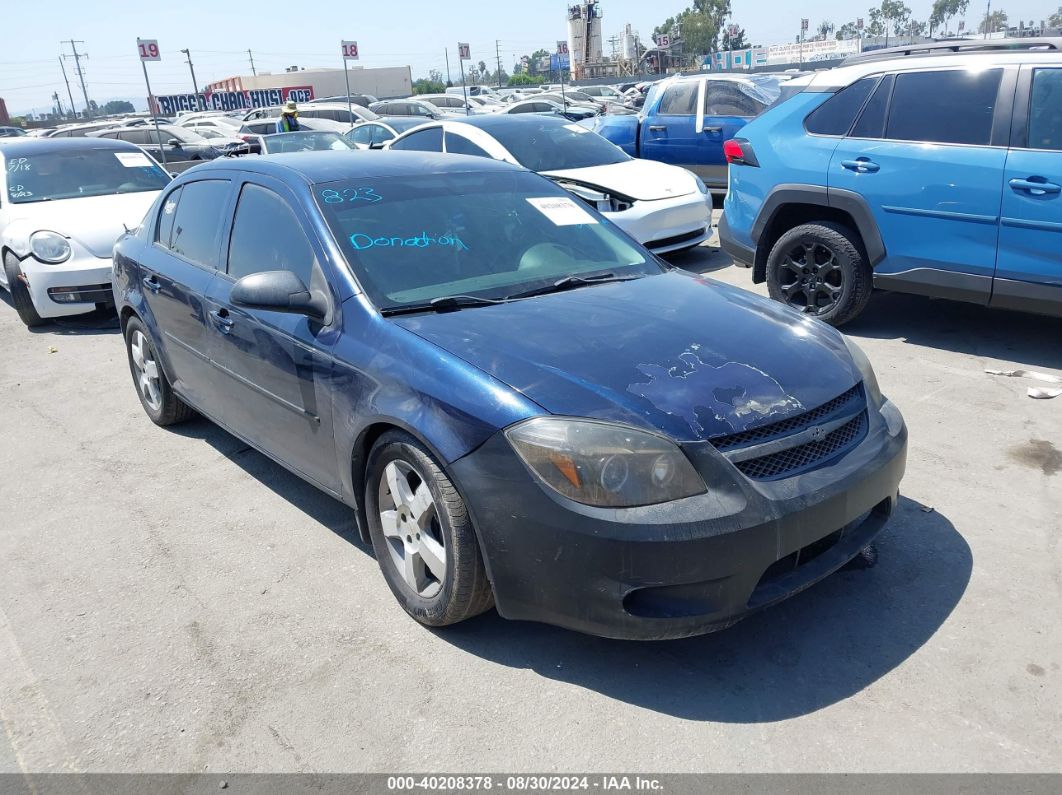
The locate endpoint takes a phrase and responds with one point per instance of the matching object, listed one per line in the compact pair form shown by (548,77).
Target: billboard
(560,62)
(811,51)
(233,100)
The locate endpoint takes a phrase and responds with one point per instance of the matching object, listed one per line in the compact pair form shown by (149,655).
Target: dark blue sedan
(523,406)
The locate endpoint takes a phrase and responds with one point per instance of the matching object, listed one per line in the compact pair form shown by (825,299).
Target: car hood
(644,180)
(95,222)
(675,353)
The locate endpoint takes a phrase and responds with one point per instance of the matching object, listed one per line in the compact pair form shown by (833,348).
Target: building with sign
(383,83)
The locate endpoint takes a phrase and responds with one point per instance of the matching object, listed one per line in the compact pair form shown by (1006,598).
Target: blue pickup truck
(686,120)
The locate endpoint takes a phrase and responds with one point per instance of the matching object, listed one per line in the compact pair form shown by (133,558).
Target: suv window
(835,115)
(725,99)
(167,213)
(459,145)
(1045,110)
(679,99)
(267,236)
(871,123)
(198,220)
(950,107)
(423,141)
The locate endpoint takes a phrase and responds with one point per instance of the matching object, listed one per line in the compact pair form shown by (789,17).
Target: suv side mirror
(279,291)
(173,142)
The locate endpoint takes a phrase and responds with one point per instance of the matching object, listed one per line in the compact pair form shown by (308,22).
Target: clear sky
(285,32)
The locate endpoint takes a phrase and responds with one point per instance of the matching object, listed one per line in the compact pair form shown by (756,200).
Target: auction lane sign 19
(235,100)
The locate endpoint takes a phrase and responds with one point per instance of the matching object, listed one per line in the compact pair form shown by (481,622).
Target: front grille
(787,427)
(769,452)
(798,459)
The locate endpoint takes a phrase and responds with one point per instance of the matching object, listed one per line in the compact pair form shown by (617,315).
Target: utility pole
(988,13)
(195,85)
(81,75)
(69,93)
(58,103)
(449,80)
(249,55)
(497,53)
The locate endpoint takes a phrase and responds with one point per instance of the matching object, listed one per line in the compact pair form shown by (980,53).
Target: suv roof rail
(957,47)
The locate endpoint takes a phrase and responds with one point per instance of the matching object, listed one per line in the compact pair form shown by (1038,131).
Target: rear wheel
(152,386)
(422,534)
(20,294)
(820,269)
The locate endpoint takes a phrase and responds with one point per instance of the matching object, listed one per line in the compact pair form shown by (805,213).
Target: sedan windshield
(82,173)
(414,240)
(545,144)
(304,142)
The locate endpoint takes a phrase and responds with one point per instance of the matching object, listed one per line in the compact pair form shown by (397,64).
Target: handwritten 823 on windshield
(524,783)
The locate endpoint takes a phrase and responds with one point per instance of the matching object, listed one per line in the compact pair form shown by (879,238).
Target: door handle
(657,128)
(717,129)
(1036,186)
(861,165)
(222,320)
(152,283)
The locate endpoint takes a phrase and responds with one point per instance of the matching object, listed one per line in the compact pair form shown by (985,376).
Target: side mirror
(377,144)
(173,142)
(279,291)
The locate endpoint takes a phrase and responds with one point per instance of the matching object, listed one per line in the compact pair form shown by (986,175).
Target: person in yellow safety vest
(289,119)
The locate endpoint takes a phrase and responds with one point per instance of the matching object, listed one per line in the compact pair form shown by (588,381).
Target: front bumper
(86,279)
(665,225)
(679,569)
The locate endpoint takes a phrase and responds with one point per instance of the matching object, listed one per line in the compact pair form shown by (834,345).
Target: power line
(81,75)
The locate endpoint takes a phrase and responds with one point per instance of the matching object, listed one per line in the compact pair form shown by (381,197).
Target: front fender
(15,237)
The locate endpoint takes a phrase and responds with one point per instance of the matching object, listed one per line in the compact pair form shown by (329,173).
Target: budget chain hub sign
(233,100)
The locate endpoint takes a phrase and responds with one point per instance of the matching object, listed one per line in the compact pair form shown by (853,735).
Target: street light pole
(195,85)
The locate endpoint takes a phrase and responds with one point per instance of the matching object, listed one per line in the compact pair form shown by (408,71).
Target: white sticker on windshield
(133,159)
(562,211)
(576,128)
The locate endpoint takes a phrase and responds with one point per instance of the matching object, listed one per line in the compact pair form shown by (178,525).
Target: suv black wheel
(820,269)
(20,295)
(422,534)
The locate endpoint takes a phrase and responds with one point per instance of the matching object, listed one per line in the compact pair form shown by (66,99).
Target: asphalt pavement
(173,601)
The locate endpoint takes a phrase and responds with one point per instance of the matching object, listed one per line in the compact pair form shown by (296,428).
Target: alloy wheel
(411,529)
(811,278)
(147,370)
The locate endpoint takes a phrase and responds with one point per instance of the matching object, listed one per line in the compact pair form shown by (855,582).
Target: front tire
(153,388)
(820,269)
(20,294)
(422,534)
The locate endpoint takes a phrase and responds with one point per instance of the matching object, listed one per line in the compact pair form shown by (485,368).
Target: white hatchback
(665,208)
(63,204)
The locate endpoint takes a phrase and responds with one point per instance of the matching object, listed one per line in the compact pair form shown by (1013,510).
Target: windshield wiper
(571,282)
(445,303)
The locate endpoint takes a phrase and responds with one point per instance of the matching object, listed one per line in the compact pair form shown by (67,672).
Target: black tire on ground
(20,295)
(820,268)
(170,409)
(464,591)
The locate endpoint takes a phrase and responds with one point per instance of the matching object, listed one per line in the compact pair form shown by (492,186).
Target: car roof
(845,75)
(500,122)
(322,167)
(21,146)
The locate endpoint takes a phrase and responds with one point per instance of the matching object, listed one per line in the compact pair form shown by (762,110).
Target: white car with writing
(63,204)
(665,208)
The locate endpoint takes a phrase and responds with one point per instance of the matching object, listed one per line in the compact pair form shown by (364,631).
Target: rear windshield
(410,240)
(544,144)
(304,142)
(79,174)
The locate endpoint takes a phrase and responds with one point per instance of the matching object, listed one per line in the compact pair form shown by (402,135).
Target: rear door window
(836,115)
(197,222)
(726,99)
(1045,110)
(871,123)
(423,141)
(679,99)
(949,106)
(164,230)
(459,145)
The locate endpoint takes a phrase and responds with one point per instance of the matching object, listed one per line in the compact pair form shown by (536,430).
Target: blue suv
(934,169)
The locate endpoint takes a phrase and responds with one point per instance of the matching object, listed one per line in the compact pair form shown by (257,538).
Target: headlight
(700,184)
(870,381)
(50,247)
(605,465)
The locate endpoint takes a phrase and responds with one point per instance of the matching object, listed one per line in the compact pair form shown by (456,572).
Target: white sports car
(665,208)
(63,204)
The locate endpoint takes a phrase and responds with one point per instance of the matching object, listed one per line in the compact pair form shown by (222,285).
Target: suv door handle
(152,283)
(716,129)
(861,165)
(222,320)
(657,128)
(1037,186)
